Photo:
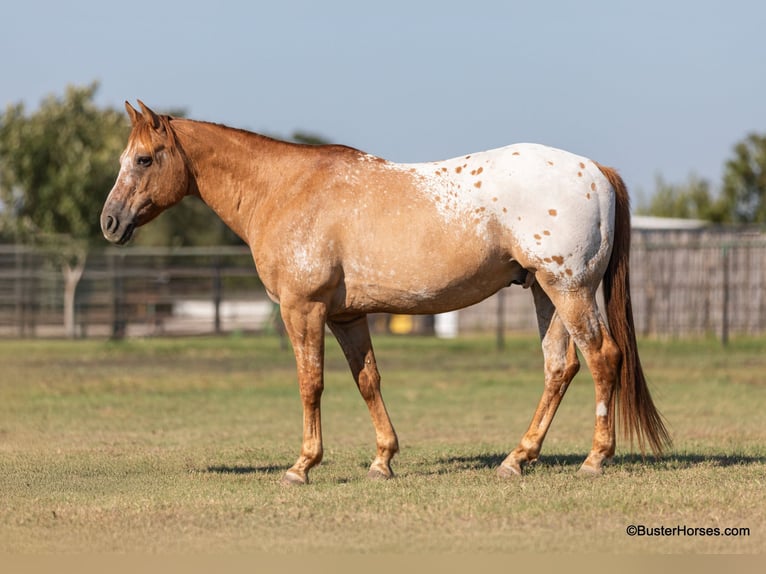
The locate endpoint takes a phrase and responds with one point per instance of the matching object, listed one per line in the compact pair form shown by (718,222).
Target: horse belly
(426,273)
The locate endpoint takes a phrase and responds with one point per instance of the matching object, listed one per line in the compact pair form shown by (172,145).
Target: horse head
(153,176)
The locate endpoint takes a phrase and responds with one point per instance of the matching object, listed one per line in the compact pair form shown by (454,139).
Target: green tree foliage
(744,181)
(691,200)
(743,196)
(56,165)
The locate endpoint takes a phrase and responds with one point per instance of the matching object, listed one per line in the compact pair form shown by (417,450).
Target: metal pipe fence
(135,292)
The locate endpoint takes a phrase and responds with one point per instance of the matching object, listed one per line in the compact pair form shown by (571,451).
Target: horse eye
(144,160)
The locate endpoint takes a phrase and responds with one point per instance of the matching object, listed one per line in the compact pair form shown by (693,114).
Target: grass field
(178,445)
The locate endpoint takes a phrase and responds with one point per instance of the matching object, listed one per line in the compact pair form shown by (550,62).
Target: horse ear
(134,115)
(150,116)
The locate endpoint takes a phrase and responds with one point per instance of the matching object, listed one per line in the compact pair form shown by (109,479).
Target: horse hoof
(377,474)
(589,471)
(506,471)
(293,479)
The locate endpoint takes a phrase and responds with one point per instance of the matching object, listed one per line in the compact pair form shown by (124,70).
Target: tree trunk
(72,275)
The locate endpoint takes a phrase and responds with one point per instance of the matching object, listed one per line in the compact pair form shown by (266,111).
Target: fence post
(501,320)
(725,310)
(118,298)
(19,289)
(217,293)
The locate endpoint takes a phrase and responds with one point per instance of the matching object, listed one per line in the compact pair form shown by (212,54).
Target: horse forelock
(141,136)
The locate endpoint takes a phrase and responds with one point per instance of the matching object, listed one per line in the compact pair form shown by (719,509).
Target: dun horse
(336,234)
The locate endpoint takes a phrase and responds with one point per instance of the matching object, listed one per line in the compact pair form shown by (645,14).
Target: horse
(336,234)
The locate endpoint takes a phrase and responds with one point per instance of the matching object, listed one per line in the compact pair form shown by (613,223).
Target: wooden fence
(684,283)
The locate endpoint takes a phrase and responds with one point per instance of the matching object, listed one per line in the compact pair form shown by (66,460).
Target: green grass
(178,445)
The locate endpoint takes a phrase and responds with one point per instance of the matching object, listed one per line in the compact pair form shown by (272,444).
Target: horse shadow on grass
(566,462)
(238,469)
(673,461)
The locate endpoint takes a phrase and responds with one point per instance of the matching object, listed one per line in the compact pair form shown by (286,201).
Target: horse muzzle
(117,224)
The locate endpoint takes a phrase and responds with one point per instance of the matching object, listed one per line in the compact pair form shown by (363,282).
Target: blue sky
(649,87)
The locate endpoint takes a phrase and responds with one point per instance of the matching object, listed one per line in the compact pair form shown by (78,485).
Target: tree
(744,181)
(56,167)
(691,200)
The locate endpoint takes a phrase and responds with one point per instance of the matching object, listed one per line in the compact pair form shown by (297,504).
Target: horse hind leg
(354,339)
(579,314)
(561,365)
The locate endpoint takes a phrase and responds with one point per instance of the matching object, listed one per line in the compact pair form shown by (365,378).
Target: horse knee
(311,394)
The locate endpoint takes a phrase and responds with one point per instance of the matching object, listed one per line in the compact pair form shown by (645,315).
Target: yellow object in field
(401,324)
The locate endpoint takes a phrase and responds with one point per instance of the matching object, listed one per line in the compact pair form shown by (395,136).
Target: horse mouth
(127,235)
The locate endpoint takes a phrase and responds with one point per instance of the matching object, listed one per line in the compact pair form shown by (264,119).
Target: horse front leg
(354,339)
(304,324)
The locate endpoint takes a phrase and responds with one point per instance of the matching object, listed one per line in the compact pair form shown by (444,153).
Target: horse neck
(236,173)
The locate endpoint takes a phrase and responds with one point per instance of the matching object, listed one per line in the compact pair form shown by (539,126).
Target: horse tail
(637,413)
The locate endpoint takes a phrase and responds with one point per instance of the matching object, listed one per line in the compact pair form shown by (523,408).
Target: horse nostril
(112,224)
